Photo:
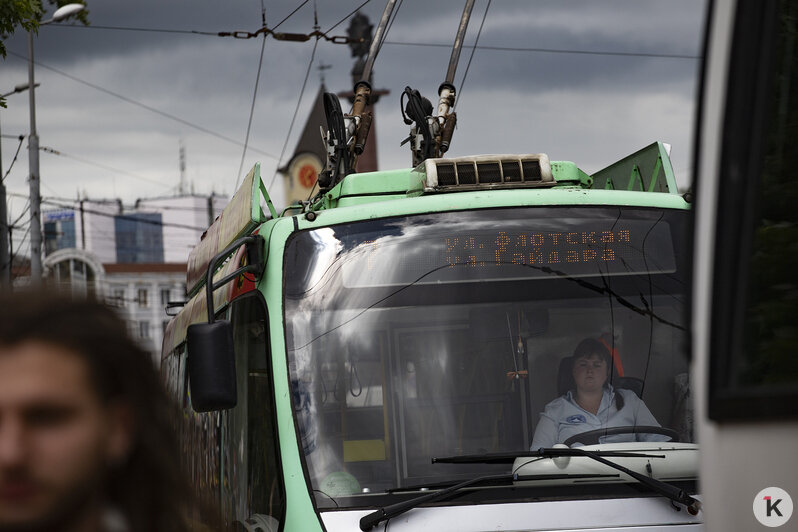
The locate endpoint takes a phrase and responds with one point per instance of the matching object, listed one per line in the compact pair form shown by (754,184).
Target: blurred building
(133,258)
(154,230)
(141,292)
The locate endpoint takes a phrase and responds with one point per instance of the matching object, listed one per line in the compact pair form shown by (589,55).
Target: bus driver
(593,403)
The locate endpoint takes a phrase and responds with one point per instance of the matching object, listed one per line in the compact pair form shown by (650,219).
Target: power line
(553,50)
(133,28)
(22,214)
(435,45)
(21,245)
(388,29)
(257,79)
(198,32)
(346,17)
(240,34)
(139,104)
(103,166)
(74,201)
(255,97)
(291,14)
(4,176)
(128,217)
(473,49)
(296,111)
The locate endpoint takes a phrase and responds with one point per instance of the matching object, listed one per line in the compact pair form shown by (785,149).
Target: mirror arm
(254,267)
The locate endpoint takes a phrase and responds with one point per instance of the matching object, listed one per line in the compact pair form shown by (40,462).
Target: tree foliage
(26,15)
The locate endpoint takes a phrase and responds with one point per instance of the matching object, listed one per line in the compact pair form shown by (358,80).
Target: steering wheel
(591,437)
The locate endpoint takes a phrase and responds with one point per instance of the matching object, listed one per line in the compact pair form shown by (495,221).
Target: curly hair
(149,488)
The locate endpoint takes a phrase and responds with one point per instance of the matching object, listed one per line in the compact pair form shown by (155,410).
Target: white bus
(745,296)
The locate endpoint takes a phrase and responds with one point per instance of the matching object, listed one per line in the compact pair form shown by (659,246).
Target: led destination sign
(433,254)
(539,248)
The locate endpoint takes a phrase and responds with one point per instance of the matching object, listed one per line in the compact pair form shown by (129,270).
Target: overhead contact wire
(473,49)
(296,110)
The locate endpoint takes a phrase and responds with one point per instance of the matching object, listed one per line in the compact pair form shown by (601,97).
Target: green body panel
(370,187)
(300,514)
(566,172)
(647,170)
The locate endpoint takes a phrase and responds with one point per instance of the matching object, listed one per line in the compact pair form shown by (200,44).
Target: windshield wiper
(549,476)
(509,457)
(663,488)
(367,522)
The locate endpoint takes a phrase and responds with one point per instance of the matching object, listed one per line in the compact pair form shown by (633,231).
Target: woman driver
(593,404)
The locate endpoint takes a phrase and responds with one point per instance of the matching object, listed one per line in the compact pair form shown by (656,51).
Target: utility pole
(33,179)
(33,154)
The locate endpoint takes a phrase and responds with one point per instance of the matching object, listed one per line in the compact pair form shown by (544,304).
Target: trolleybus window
(235,452)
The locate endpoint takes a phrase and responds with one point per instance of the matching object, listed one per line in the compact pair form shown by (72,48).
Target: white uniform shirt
(563,418)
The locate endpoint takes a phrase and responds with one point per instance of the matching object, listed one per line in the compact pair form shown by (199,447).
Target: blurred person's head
(85,426)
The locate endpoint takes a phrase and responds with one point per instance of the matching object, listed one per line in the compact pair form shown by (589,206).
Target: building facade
(158,230)
(141,293)
(132,258)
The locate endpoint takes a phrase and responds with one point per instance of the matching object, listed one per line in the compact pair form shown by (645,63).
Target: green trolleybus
(380,357)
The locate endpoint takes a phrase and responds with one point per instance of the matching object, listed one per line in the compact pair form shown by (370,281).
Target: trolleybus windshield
(446,334)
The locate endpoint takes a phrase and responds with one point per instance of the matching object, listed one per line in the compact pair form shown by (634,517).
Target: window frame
(144,329)
(746,120)
(142,297)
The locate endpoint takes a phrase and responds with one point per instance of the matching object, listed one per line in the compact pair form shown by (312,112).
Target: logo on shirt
(772,507)
(579,418)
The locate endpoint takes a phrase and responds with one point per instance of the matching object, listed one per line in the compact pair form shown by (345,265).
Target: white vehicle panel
(650,514)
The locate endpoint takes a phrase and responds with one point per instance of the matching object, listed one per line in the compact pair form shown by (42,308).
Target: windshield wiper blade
(663,488)
(367,522)
(509,457)
(552,476)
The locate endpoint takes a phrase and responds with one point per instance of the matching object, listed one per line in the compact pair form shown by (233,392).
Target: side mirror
(211,366)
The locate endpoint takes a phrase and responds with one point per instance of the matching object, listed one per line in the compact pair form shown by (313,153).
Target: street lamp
(33,154)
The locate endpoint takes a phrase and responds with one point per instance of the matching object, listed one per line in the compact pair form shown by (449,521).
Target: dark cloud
(590,108)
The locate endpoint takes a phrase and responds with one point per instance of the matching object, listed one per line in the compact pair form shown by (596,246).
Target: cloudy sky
(583,80)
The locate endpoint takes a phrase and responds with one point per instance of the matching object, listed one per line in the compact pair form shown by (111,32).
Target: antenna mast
(181,187)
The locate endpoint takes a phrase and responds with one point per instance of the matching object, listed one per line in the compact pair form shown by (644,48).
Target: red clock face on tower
(307,175)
